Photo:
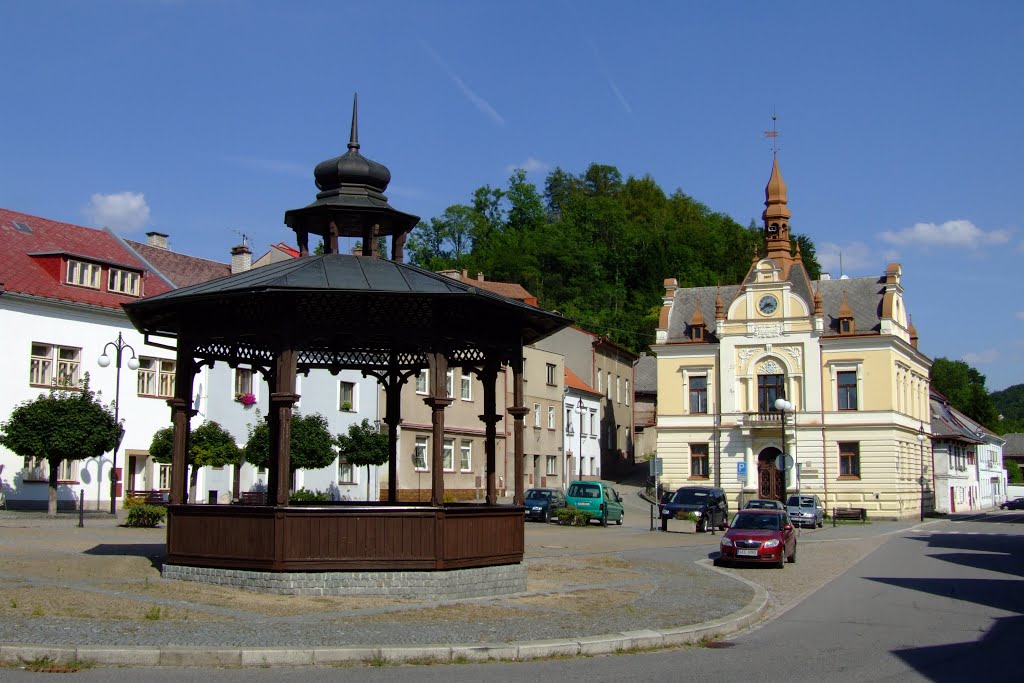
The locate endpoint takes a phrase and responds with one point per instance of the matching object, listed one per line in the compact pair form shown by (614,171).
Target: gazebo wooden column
(181,414)
(281,401)
(438,401)
(488,376)
(518,412)
(393,383)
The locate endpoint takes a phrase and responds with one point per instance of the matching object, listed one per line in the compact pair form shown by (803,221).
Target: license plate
(537,509)
(744,552)
(584,504)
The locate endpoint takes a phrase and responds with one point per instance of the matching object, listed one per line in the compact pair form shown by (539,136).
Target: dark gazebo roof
(344,311)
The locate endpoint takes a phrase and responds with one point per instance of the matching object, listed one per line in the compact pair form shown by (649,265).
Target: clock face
(767,304)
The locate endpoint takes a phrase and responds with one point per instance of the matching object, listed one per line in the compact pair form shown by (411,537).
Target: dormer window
(697,332)
(846,326)
(123,282)
(83,274)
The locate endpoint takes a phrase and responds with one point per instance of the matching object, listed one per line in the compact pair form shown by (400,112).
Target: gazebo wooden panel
(345,538)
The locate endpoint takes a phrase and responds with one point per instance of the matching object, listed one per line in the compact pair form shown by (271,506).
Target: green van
(597,498)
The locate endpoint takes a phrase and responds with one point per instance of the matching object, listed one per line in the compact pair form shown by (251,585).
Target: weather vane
(773,133)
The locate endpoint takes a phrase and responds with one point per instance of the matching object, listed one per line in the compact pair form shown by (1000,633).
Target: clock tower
(776,220)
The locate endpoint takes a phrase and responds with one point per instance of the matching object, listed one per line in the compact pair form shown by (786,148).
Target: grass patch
(37,611)
(153,613)
(50,666)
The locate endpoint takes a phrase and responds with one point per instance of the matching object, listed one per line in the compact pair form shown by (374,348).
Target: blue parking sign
(741,469)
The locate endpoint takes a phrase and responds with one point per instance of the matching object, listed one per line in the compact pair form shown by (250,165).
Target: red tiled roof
(180,269)
(572,381)
(42,276)
(511,290)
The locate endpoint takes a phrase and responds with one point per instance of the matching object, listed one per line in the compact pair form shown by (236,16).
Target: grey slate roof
(863,294)
(645,375)
(686,302)
(1014,444)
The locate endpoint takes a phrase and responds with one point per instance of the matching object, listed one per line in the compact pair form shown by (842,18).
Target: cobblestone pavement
(100,586)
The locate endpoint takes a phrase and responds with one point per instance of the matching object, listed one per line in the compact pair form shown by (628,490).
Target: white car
(806,510)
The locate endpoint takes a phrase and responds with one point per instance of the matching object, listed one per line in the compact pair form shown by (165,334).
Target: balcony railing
(759,419)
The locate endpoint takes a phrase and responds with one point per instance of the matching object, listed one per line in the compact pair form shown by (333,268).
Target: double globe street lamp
(920,440)
(133,364)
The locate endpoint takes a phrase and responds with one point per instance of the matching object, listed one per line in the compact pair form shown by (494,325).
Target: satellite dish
(784,462)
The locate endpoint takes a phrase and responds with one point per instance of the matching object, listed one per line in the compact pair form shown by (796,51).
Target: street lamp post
(920,440)
(569,432)
(783,406)
(133,364)
(579,409)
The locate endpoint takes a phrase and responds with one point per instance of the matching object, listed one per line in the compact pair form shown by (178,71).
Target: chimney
(480,276)
(156,239)
(465,275)
(241,259)
(453,274)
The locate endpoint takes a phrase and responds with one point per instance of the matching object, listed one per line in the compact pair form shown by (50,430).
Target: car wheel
(702,526)
(782,558)
(664,524)
(821,523)
(792,557)
(621,518)
(604,519)
(547,516)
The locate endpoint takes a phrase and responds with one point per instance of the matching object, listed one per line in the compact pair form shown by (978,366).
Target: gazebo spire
(353,136)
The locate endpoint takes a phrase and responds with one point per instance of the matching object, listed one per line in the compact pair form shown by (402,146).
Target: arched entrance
(771,482)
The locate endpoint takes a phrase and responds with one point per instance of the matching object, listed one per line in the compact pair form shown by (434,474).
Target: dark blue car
(541,504)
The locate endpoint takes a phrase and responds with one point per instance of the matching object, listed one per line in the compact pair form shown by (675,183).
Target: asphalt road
(943,603)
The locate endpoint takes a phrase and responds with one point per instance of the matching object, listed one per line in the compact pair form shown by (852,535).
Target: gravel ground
(100,585)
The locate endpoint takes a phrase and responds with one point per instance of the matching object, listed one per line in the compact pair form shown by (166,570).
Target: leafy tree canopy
(363,445)
(210,445)
(593,246)
(311,443)
(965,388)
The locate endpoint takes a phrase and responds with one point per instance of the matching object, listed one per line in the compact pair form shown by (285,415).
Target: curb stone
(292,657)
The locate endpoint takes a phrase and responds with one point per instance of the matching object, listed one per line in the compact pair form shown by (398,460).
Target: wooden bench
(154,497)
(855,514)
(252,498)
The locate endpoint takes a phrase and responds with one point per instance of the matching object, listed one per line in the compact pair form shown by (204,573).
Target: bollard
(81,509)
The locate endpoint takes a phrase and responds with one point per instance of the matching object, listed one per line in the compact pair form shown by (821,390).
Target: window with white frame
(421,382)
(347,396)
(584,421)
(846,389)
(549,371)
(55,365)
(608,386)
(243,381)
(346,472)
(83,274)
(593,422)
(551,417)
(536,415)
(419,454)
(466,455)
(552,467)
(466,386)
(698,394)
(38,469)
(627,392)
(163,477)
(449,384)
(155,377)
(618,389)
(123,282)
(568,418)
(448,456)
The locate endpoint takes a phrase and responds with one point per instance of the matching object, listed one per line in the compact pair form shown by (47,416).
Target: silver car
(806,510)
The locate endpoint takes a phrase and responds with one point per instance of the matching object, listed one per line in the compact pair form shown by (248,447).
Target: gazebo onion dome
(351,203)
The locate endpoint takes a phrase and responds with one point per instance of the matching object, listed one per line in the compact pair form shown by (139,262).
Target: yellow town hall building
(843,354)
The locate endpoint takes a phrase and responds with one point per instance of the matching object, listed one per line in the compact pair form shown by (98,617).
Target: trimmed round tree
(365,446)
(61,426)
(312,446)
(210,445)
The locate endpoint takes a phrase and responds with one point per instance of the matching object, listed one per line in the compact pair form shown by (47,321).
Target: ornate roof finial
(353,137)
(818,311)
(719,305)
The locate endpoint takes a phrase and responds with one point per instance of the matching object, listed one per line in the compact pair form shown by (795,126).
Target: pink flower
(246,399)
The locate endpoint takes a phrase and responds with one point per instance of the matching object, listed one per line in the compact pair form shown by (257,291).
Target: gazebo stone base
(423,585)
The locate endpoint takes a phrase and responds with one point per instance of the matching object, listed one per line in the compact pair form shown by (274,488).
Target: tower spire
(776,214)
(353,136)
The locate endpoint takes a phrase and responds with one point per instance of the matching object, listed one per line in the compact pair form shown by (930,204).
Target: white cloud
(855,256)
(121,211)
(531,165)
(480,103)
(981,358)
(958,233)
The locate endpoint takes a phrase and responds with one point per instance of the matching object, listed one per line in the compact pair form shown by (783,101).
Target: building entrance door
(770,479)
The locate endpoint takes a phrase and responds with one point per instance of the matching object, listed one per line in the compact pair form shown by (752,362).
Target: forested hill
(593,246)
(1010,403)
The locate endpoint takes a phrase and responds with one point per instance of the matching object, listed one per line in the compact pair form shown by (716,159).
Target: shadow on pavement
(997,651)
(154,552)
(1004,554)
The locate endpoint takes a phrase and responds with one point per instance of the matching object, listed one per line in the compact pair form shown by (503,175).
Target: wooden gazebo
(332,312)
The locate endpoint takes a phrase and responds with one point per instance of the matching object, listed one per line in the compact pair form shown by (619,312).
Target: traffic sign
(655,467)
(741,469)
(783,461)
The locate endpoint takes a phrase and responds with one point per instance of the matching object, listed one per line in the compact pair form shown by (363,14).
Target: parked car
(708,504)
(1013,504)
(759,536)
(597,498)
(541,504)
(763,504)
(806,510)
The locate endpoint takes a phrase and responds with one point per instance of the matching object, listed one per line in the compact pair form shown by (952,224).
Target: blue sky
(900,122)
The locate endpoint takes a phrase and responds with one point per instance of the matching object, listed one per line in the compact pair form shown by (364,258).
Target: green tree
(61,426)
(363,446)
(965,388)
(1013,474)
(312,446)
(210,445)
